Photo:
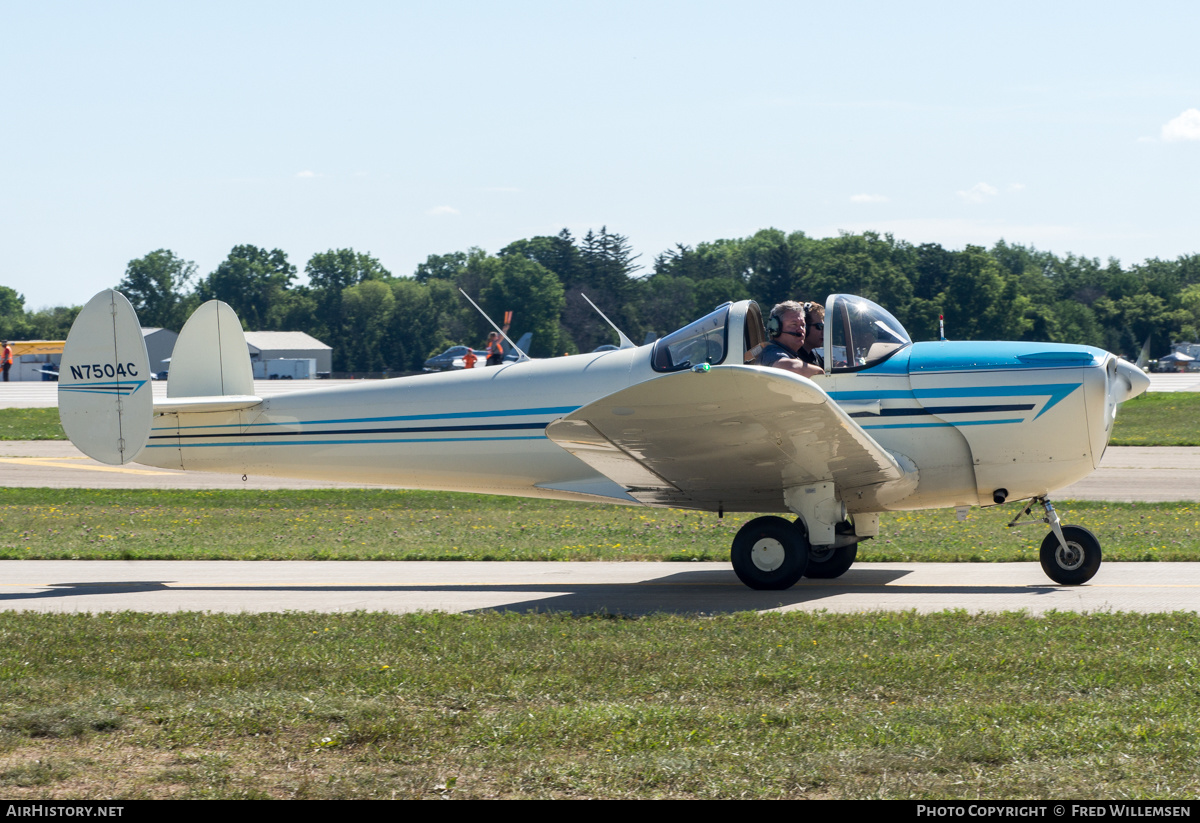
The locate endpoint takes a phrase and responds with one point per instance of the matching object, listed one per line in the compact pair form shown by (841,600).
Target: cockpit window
(859,333)
(700,342)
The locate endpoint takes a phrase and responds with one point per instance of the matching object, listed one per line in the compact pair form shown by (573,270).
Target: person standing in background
(495,351)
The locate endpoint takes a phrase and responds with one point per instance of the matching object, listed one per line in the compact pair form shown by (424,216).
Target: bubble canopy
(859,333)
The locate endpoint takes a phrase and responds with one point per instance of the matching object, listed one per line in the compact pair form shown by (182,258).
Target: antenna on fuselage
(626,343)
(520,354)
(941,328)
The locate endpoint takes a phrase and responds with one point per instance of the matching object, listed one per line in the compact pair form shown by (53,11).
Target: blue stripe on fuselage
(1053,392)
(557,410)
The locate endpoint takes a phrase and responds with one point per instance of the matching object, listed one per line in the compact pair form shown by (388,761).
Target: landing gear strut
(1070,555)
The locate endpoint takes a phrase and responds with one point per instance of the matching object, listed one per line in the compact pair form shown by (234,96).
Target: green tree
(157,285)
(534,295)
(979,303)
(254,283)
(441,267)
(773,260)
(415,331)
(368,308)
(606,266)
(329,274)
(558,254)
(51,323)
(13,322)
(669,303)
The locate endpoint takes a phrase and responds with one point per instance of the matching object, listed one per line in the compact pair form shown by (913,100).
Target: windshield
(859,333)
(696,343)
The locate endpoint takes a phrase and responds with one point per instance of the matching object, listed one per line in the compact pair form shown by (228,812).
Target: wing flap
(734,437)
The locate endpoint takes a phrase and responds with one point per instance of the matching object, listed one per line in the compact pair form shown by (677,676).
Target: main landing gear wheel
(827,564)
(769,553)
(1076,564)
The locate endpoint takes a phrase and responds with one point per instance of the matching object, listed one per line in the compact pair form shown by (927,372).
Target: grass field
(1154,419)
(1159,419)
(756,706)
(30,424)
(356,524)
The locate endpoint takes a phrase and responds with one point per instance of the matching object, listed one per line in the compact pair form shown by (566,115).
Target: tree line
(376,321)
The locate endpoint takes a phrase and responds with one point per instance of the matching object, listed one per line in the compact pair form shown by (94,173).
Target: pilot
(787,330)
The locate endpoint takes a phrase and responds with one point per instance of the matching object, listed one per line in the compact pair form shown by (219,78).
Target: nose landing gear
(1070,555)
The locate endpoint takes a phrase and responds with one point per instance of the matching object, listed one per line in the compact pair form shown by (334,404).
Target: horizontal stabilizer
(192,405)
(104,398)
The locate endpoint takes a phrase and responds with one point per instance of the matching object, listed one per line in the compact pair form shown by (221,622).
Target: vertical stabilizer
(211,358)
(104,397)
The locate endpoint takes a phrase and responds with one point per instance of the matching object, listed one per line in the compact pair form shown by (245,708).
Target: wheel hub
(768,554)
(820,556)
(1070,558)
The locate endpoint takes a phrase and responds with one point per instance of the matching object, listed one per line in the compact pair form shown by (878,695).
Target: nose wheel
(1074,563)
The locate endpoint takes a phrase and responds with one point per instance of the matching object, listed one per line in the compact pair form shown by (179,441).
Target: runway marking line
(58,463)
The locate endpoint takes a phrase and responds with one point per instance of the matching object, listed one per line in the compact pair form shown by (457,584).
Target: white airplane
(688,422)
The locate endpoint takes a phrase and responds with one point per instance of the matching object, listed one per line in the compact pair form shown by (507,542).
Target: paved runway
(1126,474)
(616,588)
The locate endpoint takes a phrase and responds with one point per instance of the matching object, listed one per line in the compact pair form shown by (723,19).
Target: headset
(774,327)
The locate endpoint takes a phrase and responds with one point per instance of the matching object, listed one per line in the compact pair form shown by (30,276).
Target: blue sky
(409,129)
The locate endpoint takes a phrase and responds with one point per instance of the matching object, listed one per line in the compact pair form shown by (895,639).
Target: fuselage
(980,421)
(480,430)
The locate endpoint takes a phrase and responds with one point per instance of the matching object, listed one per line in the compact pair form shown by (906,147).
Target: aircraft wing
(733,437)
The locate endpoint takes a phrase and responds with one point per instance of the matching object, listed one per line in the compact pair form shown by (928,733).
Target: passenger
(787,330)
(814,338)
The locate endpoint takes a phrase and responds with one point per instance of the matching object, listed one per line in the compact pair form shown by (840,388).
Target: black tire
(1078,564)
(769,553)
(826,564)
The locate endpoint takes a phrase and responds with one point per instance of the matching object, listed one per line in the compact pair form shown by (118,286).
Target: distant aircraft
(452,358)
(686,422)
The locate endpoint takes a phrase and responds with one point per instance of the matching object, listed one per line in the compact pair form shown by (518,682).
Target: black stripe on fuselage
(345,432)
(940,410)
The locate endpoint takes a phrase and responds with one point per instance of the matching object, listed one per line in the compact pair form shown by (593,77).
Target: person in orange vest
(495,351)
(469,359)
(6,359)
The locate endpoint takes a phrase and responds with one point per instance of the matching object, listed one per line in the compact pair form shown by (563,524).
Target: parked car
(452,358)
